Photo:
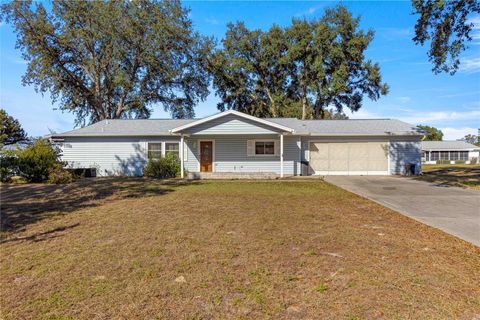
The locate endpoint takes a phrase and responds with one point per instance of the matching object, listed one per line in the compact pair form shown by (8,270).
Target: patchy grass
(465,176)
(135,248)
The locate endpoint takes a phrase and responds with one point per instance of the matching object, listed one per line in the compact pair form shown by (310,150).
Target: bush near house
(38,162)
(163,168)
(58,175)
(443,161)
(8,166)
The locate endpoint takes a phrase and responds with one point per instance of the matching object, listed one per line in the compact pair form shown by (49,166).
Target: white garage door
(349,158)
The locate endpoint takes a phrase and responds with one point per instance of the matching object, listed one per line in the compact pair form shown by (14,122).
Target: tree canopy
(11,132)
(303,70)
(446,25)
(471,138)
(433,134)
(112,59)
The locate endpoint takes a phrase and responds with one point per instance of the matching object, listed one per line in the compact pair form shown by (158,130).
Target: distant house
(232,142)
(452,151)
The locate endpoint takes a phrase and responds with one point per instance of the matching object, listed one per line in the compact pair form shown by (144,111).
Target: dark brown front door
(206,156)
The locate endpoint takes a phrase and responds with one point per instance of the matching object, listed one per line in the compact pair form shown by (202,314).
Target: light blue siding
(403,152)
(231,124)
(109,155)
(231,155)
(127,155)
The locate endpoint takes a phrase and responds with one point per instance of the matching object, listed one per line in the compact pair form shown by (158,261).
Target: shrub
(474,160)
(58,175)
(163,168)
(37,160)
(8,166)
(443,161)
(460,162)
(18,180)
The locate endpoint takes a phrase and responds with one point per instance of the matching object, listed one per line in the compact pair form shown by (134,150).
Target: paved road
(451,209)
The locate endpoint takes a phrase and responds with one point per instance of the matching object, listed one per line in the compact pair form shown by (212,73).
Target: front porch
(232,145)
(232,175)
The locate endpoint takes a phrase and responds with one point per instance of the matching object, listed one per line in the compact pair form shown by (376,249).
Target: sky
(417,96)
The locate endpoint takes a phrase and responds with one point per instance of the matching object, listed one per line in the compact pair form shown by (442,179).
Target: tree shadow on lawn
(461,176)
(22,205)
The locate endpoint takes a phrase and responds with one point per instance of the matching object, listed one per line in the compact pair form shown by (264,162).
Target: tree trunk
(273,108)
(304,103)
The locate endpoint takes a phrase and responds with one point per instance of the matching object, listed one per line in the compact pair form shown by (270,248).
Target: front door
(206,156)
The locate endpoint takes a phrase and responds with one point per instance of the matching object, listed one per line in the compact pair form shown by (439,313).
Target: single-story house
(236,143)
(453,151)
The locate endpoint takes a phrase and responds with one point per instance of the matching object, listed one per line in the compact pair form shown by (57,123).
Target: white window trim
(265,155)
(163,143)
(156,142)
(213,153)
(164,148)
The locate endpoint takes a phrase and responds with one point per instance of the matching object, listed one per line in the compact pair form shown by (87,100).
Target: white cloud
(310,10)
(463,94)
(212,21)
(476,29)
(418,117)
(404,99)
(396,31)
(470,65)
(457,133)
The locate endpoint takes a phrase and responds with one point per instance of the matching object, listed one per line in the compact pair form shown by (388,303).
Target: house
(236,143)
(449,151)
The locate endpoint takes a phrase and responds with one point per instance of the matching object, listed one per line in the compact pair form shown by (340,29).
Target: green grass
(113,248)
(457,175)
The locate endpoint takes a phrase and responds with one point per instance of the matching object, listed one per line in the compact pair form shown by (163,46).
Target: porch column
(281,155)
(181,156)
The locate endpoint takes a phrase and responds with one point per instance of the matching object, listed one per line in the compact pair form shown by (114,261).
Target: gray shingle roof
(447,145)
(138,127)
(153,127)
(349,127)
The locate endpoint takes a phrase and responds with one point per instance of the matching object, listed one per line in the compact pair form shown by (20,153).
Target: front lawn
(465,176)
(140,249)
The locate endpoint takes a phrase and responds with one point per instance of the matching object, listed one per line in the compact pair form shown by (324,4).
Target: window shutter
(277,147)
(250,148)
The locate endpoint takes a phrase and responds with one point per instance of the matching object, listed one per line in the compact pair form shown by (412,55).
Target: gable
(231,124)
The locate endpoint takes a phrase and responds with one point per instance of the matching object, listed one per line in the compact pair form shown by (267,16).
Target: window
(435,155)
(172,147)
(264,147)
(154,150)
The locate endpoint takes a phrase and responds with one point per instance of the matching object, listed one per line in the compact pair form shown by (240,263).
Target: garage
(349,158)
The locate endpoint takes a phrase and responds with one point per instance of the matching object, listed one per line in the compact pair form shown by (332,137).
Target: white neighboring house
(232,142)
(452,151)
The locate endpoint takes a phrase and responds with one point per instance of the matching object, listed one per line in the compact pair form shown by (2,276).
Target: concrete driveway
(451,209)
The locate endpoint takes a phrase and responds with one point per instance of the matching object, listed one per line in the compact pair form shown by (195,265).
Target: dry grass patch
(273,249)
(465,176)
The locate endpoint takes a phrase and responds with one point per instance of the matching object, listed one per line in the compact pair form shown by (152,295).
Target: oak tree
(11,132)
(448,28)
(433,134)
(112,59)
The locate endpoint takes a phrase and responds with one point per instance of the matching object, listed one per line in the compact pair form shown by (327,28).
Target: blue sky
(451,103)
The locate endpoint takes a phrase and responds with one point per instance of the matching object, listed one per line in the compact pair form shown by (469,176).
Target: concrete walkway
(451,209)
